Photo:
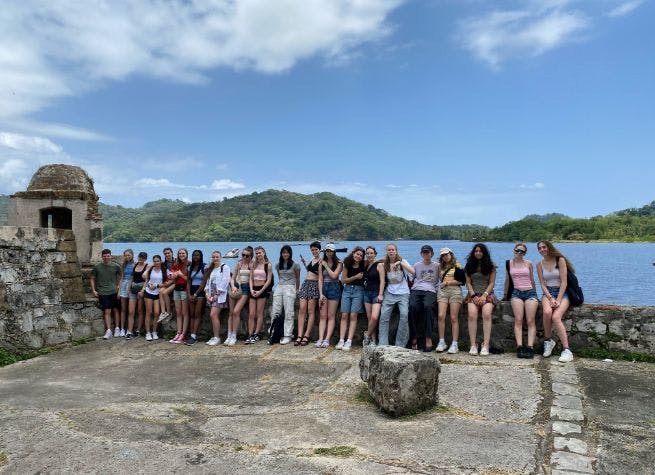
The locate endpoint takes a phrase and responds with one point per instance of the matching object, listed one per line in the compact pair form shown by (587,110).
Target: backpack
(573,289)
(270,286)
(276,330)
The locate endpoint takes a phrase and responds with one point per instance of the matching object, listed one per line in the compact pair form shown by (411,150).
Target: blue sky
(443,111)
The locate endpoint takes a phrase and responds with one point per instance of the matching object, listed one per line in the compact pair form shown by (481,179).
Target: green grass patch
(617,355)
(364,395)
(424,410)
(8,357)
(337,451)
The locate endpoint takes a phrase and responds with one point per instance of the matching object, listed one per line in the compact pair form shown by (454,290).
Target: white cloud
(625,8)
(156,182)
(224,184)
(21,155)
(535,186)
(536,28)
(58,49)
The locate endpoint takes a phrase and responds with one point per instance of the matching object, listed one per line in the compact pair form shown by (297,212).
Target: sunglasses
(519,251)
(245,254)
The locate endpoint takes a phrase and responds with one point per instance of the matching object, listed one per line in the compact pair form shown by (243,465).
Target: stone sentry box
(63,197)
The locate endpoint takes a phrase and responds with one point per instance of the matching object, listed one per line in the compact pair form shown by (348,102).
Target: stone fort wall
(44,302)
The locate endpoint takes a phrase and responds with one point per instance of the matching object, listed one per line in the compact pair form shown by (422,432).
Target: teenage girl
(309,295)
(329,296)
(374,284)
(154,278)
(450,295)
(284,297)
(217,283)
(352,297)
(196,294)
(524,300)
(396,270)
(179,274)
(552,271)
(124,290)
(136,298)
(261,277)
(239,294)
(480,281)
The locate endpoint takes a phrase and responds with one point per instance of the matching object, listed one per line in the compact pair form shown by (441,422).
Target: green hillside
(272,216)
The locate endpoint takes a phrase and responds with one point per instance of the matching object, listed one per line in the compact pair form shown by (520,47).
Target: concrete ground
(145,407)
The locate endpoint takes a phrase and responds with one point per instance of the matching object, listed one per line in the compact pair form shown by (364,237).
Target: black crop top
(372,278)
(137,276)
(313,268)
(351,271)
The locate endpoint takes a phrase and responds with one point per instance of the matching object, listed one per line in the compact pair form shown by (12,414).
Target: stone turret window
(60,218)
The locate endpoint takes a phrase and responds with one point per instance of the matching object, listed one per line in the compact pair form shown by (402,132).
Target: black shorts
(201,293)
(151,296)
(263,295)
(108,302)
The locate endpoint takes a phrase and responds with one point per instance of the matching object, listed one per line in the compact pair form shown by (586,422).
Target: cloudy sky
(444,111)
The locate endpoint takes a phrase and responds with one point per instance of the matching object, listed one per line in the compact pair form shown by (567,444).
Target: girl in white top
(218,281)
(397,293)
(154,279)
(552,272)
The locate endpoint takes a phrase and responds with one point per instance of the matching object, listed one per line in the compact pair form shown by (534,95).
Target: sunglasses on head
(519,251)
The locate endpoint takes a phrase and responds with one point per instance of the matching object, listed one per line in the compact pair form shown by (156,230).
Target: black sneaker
(248,340)
(191,341)
(255,338)
(128,336)
(137,334)
(520,352)
(529,353)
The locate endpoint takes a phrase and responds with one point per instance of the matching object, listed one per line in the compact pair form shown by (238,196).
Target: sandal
(414,345)
(304,341)
(297,341)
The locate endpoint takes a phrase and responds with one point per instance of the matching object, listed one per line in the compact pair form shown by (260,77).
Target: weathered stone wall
(42,297)
(612,327)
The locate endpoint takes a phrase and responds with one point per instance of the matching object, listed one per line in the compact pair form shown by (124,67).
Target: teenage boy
(105,282)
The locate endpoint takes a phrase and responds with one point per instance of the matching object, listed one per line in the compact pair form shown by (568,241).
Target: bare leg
(473,322)
(311,315)
(441,320)
(517,310)
(454,320)
(302,312)
(331,318)
(558,325)
(547,316)
(487,310)
(530,317)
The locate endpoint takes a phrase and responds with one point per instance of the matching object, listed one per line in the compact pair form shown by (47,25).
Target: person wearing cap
(396,271)
(136,304)
(422,297)
(480,281)
(452,277)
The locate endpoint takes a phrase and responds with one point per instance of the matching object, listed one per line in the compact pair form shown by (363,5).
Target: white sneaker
(548,348)
(441,346)
(232,341)
(325,344)
(566,356)
(117,332)
(484,351)
(285,341)
(347,345)
(122,333)
(340,345)
(108,335)
(453,348)
(227,340)
(318,343)
(474,350)
(155,336)
(163,316)
(213,341)
(148,336)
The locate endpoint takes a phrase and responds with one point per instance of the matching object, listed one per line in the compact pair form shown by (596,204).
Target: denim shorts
(332,290)
(179,295)
(524,294)
(554,292)
(245,289)
(124,291)
(371,296)
(352,299)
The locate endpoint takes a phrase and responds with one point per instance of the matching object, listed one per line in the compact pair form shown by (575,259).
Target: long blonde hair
(554,252)
(387,259)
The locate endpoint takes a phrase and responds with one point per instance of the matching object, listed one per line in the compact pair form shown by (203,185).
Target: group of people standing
(359,283)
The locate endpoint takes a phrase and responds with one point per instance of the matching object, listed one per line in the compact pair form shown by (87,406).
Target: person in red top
(179,273)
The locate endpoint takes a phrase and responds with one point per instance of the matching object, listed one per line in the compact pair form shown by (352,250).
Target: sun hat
(445,250)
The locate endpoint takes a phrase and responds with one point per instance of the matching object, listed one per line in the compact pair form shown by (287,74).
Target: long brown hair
(387,259)
(554,252)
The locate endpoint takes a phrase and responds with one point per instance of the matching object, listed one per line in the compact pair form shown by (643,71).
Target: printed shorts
(309,290)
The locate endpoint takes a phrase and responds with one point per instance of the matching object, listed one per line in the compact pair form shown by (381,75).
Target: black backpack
(276,331)
(573,290)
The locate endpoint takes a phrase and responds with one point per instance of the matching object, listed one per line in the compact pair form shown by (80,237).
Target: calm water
(618,273)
